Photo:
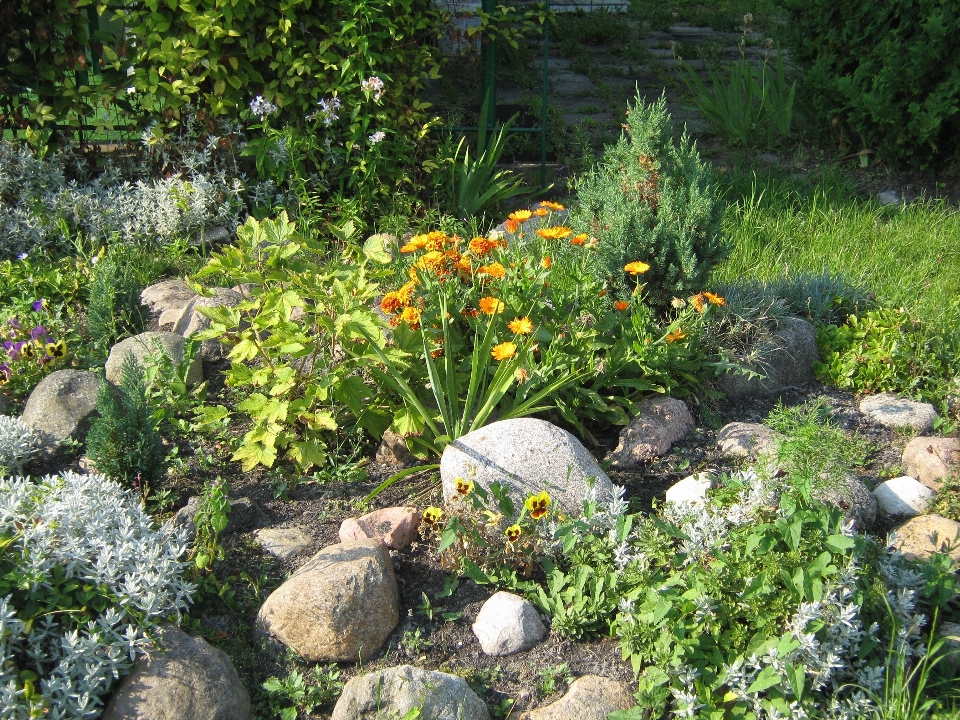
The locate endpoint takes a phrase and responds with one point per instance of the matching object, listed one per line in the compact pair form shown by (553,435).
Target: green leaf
(373,249)
(307,453)
(765,680)
(840,543)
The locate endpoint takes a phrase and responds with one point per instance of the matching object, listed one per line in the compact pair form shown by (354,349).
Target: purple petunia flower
(39,305)
(39,332)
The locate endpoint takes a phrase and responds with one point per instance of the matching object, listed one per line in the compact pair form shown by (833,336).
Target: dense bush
(651,198)
(84,576)
(885,74)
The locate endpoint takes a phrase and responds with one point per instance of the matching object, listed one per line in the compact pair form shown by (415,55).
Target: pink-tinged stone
(395,526)
(931,459)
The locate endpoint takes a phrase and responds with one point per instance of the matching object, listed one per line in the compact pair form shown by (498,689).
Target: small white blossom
(373,86)
(376,137)
(263,108)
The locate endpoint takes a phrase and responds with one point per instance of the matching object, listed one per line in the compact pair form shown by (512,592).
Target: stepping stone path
(508,624)
(895,412)
(589,698)
(659,422)
(903,496)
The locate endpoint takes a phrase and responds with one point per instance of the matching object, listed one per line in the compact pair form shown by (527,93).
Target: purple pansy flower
(6,372)
(13,350)
(39,332)
(14,323)
(39,305)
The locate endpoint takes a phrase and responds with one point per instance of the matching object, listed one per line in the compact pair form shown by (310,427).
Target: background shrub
(115,310)
(84,576)
(885,74)
(652,199)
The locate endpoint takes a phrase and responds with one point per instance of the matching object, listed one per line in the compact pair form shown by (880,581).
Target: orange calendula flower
(469,312)
(546,262)
(481,246)
(551,205)
(541,212)
(579,239)
(554,233)
(464,487)
(411,316)
(433,260)
(432,515)
(513,533)
(465,265)
(537,505)
(520,216)
(715,299)
(520,326)
(621,305)
(675,335)
(391,303)
(490,305)
(504,351)
(511,226)
(494,270)
(636,267)
(406,291)
(698,301)
(417,242)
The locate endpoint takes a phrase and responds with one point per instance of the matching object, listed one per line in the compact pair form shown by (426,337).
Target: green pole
(488,57)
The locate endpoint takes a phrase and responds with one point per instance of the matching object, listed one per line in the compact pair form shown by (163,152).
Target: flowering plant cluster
(84,577)
(29,348)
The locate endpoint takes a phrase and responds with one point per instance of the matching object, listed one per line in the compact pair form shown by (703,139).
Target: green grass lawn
(781,227)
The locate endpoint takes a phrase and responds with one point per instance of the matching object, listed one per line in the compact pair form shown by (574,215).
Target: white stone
(507,624)
(903,496)
(889,197)
(691,490)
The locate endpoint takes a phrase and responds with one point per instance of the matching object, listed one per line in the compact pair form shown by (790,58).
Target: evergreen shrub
(115,310)
(884,74)
(652,199)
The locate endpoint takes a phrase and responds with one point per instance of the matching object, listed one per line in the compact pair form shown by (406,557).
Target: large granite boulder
(394,692)
(920,537)
(62,406)
(528,456)
(787,363)
(339,606)
(660,421)
(167,295)
(931,459)
(185,678)
(144,344)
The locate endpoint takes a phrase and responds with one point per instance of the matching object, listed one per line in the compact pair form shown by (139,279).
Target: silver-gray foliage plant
(18,444)
(100,535)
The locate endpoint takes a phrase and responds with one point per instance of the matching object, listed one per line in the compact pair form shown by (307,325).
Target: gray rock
(889,197)
(660,422)
(748,440)
(692,490)
(213,238)
(893,412)
(62,406)
(920,537)
(167,295)
(338,607)
(192,321)
(185,678)
(508,624)
(144,344)
(394,692)
(590,697)
(788,363)
(169,318)
(949,632)
(393,449)
(529,456)
(931,459)
(850,495)
(284,542)
(903,496)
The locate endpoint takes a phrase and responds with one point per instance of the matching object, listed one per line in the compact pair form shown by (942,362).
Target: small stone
(850,495)
(920,537)
(144,344)
(394,692)
(185,678)
(283,542)
(338,607)
(396,527)
(170,317)
(660,422)
(192,321)
(739,439)
(590,697)
(692,490)
(889,197)
(894,412)
(931,459)
(903,496)
(215,237)
(167,295)
(62,406)
(393,449)
(770,158)
(507,624)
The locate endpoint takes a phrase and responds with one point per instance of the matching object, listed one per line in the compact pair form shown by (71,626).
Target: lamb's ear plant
(19,443)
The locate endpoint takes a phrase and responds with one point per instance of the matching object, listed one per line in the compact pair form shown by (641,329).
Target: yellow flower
(520,326)
(537,505)
(490,305)
(494,270)
(391,303)
(715,299)
(464,487)
(551,205)
(511,226)
(57,349)
(418,242)
(504,351)
(520,216)
(636,267)
(677,334)
(540,212)
(513,533)
(554,233)
(433,260)
(697,301)
(432,515)
(405,293)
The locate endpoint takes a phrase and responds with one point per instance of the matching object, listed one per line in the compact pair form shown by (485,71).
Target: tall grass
(783,227)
